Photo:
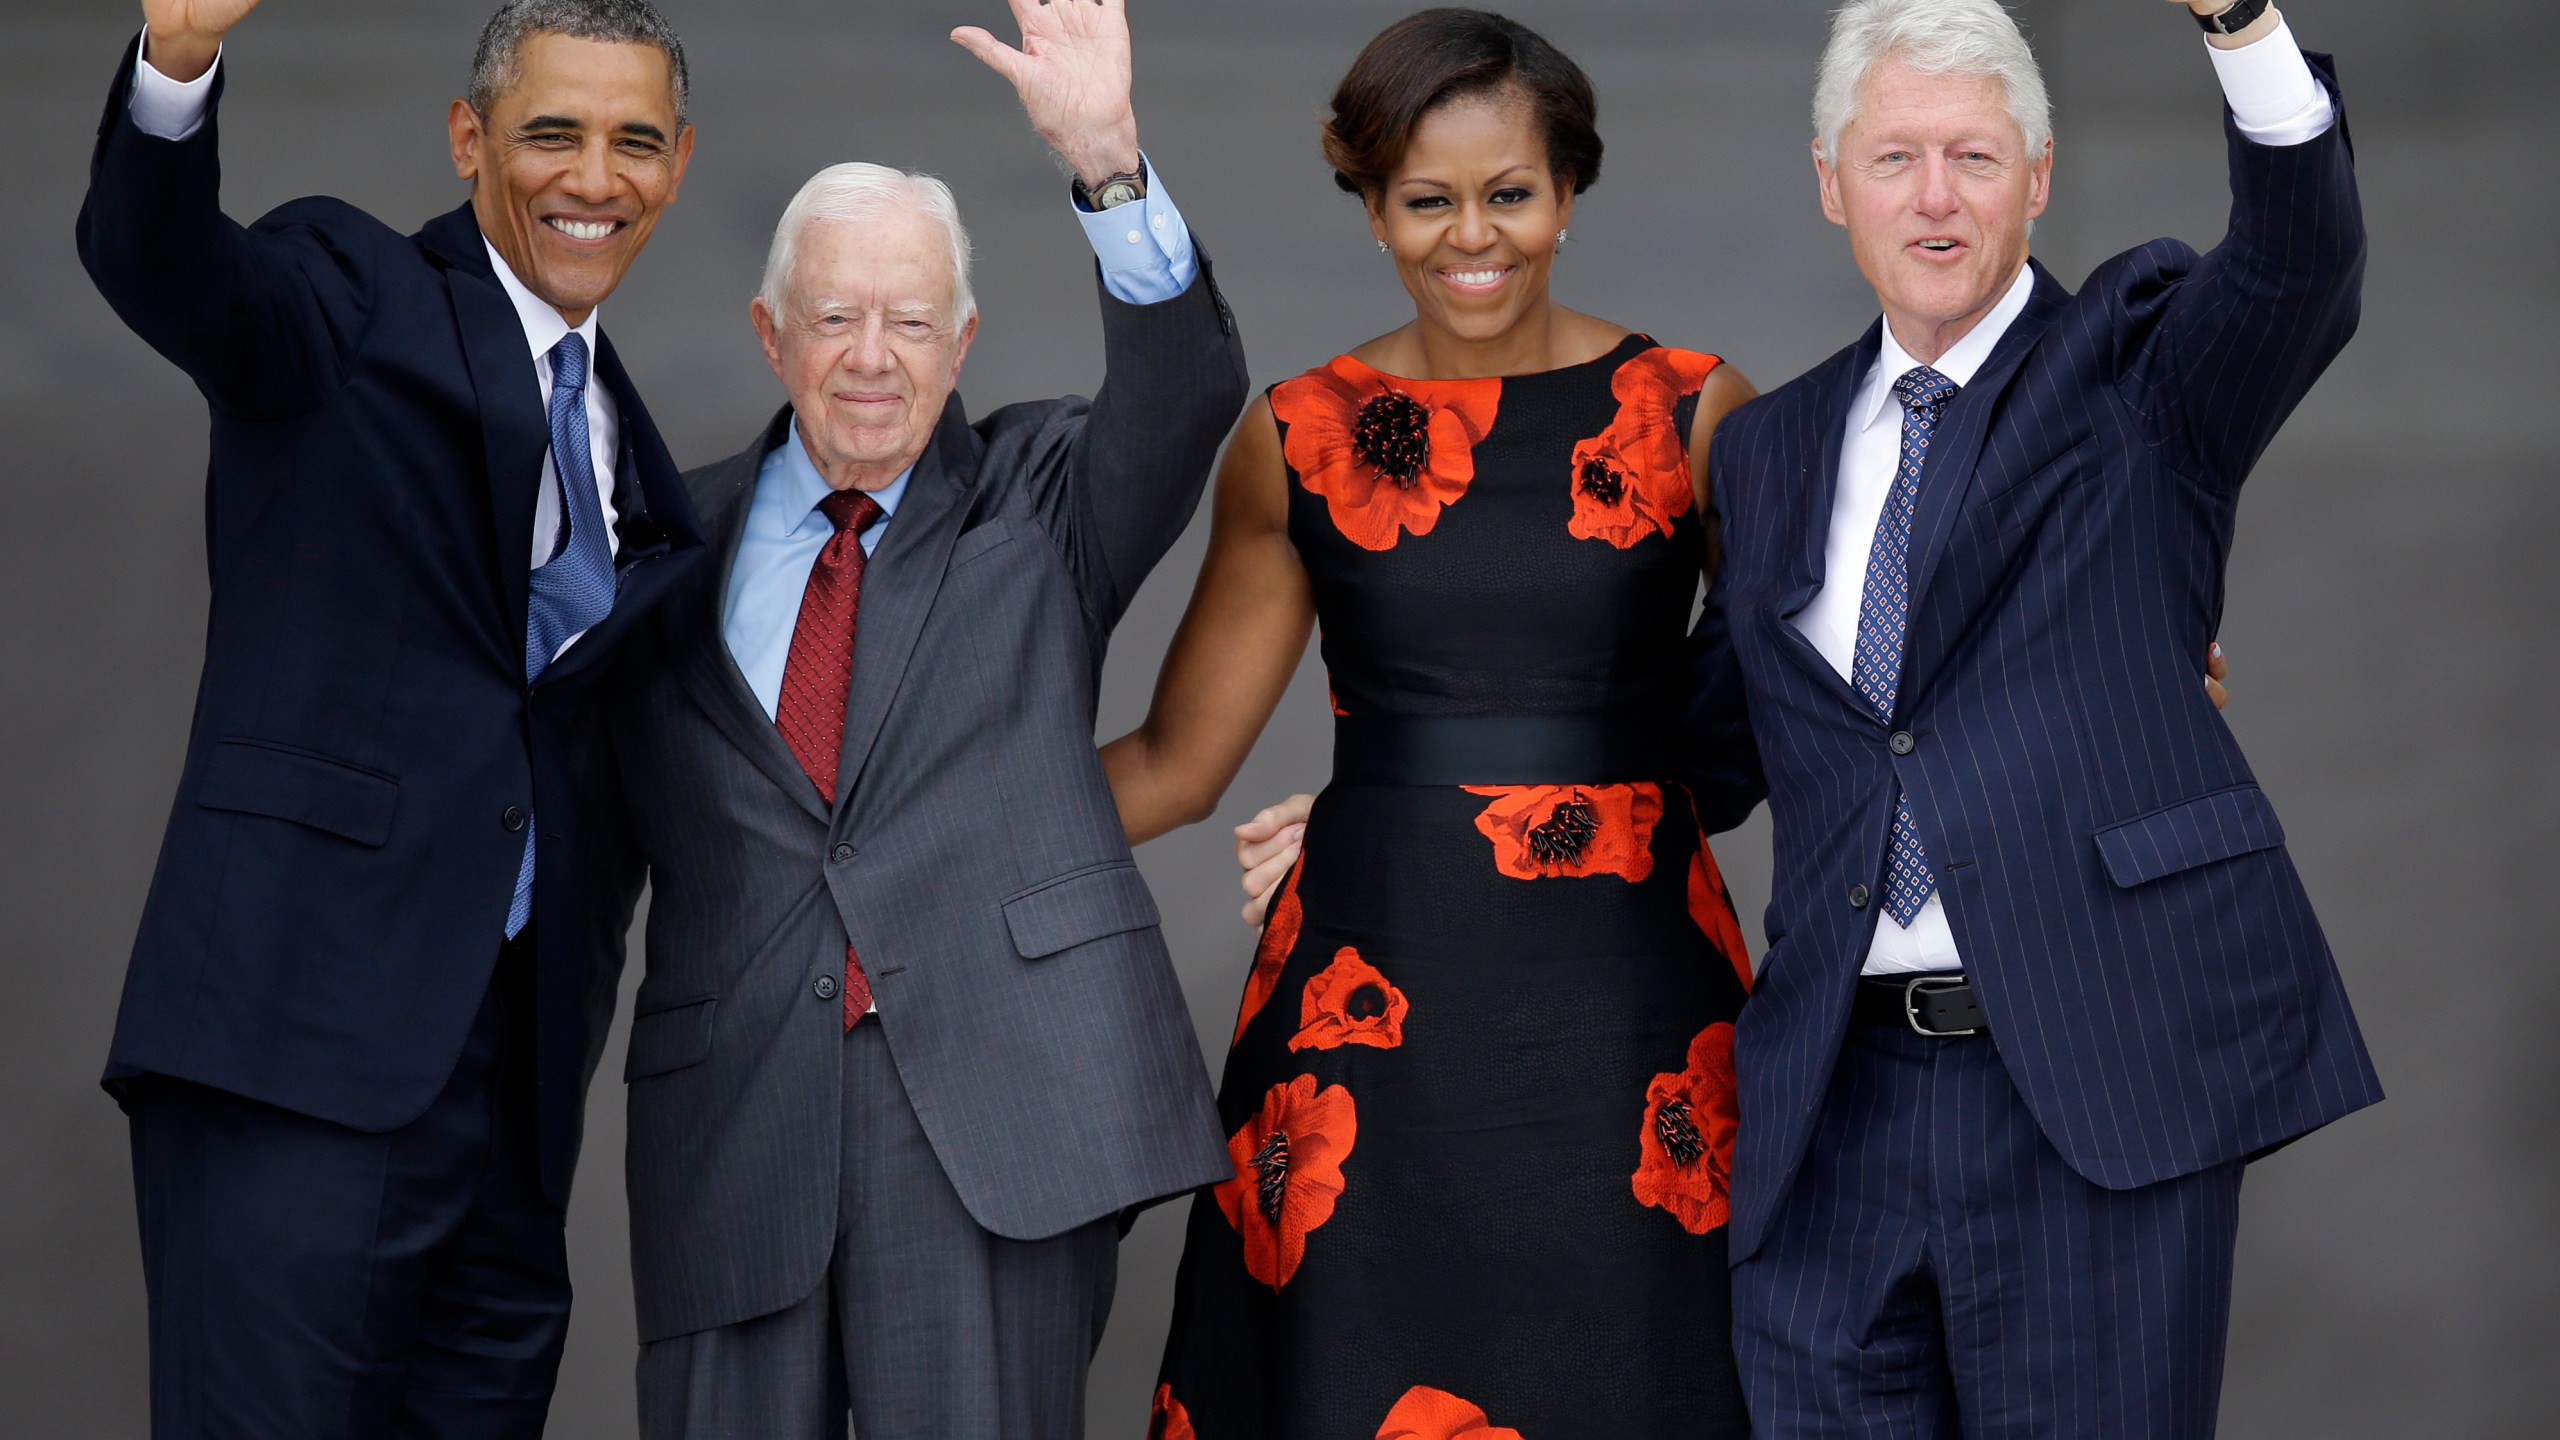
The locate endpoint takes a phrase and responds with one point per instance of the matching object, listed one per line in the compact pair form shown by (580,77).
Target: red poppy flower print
(1711,906)
(1167,1420)
(1540,831)
(1686,1145)
(1288,1161)
(1428,1414)
(1279,937)
(1632,479)
(1350,1003)
(1386,454)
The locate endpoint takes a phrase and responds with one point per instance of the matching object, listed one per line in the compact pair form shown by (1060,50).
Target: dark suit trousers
(926,1326)
(311,1282)
(1938,1271)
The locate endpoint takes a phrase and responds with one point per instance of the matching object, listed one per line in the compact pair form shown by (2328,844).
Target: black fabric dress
(1481,1091)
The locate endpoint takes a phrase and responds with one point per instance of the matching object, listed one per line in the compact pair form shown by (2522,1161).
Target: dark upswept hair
(1433,57)
(498,63)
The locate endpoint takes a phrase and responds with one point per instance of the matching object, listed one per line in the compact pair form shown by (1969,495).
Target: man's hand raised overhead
(1073,75)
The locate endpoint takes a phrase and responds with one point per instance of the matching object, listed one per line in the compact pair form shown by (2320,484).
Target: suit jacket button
(843,853)
(1858,897)
(513,818)
(1902,742)
(825,986)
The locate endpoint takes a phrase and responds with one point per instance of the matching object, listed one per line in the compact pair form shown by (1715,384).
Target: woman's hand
(2216,670)
(1266,846)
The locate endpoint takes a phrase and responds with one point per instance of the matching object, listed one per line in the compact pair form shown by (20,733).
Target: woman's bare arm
(1239,643)
(1725,392)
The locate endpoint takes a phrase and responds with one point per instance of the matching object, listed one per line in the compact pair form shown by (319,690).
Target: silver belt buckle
(1913,989)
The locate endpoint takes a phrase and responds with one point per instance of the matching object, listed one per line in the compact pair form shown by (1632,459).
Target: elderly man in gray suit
(909,1041)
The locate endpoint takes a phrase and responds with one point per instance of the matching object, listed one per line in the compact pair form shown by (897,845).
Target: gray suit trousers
(926,1326)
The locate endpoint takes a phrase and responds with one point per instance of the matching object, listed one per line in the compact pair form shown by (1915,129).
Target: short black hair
(496,64)
(1433,57)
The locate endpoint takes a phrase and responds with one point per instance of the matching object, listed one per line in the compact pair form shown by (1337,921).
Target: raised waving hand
(187,34)
(1073,74)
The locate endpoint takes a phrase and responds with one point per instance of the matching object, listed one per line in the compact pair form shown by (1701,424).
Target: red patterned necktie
(819,675)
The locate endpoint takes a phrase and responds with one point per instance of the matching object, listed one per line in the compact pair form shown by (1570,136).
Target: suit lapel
(657,537)
(1818,486)
(899,585)
(1839,389)
(698,647)
(1947,486)
(514,433)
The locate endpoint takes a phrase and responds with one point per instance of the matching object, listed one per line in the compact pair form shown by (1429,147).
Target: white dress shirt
(2277,101)
(172,110)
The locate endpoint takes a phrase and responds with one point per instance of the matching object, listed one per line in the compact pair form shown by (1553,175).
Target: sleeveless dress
(1480,1096)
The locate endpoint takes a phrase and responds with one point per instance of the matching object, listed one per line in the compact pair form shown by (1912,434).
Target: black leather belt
(1495,749)
(1940,1006)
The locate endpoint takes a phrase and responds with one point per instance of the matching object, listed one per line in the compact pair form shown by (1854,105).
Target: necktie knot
(569,363)
(1925,389)
(852,511)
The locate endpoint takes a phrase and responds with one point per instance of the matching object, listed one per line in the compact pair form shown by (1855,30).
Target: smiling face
(573,163)
(1471,215)
(1936,186)
(867,342)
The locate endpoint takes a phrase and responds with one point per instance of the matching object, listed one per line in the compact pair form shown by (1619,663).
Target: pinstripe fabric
(973,857)
(2118,887)
(1942,1272)
(925,1326)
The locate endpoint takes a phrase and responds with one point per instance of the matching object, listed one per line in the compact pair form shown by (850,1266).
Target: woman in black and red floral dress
(1481,1095)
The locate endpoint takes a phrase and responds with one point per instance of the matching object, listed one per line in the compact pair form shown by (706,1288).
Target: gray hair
(498,64)
(852,193)
(1971,38)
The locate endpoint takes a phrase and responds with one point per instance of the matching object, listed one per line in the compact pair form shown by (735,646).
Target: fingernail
(2217,649)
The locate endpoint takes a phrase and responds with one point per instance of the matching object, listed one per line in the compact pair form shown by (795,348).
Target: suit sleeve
(2220,352)
(1715,755)
(1115,481)
(613,871)
(264,320)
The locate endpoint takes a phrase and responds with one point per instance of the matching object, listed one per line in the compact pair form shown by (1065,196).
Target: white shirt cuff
(2273,94)
(165,108)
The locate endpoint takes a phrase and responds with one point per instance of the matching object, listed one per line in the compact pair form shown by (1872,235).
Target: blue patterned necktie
(575,588)
(1885,614)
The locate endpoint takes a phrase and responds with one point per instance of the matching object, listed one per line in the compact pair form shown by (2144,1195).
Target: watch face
(1116,192)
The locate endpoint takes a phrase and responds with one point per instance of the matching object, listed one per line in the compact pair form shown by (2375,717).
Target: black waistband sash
(1495,750)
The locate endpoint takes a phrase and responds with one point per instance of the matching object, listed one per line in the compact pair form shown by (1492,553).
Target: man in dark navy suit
(2041,978)
(352,1043)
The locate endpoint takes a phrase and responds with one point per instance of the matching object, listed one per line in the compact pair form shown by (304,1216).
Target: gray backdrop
(2389,612)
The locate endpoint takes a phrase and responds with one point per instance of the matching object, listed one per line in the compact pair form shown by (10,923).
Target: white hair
(1970,38)
(853,193)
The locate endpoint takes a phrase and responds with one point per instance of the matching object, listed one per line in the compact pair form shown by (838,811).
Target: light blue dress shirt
(1145,251)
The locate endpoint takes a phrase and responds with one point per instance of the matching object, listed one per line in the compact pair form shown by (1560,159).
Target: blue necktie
(1884,614)
(575,588)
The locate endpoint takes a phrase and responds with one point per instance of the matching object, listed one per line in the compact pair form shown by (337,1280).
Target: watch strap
(2234,20)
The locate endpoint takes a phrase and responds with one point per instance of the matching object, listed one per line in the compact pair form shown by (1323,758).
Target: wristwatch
(2234,20)
(1117,190)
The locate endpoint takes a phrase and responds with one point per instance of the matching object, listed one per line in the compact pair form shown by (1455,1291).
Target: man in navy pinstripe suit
(2041,978)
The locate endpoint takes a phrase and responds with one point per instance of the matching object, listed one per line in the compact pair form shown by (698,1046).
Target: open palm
(1073,75)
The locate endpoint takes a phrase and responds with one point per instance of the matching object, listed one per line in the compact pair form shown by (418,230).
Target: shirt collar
(792,479)
(543,326)
(1962,361)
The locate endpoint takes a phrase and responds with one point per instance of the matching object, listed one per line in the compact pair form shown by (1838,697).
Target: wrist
(2233,24)
(1096,158)
(181,57)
